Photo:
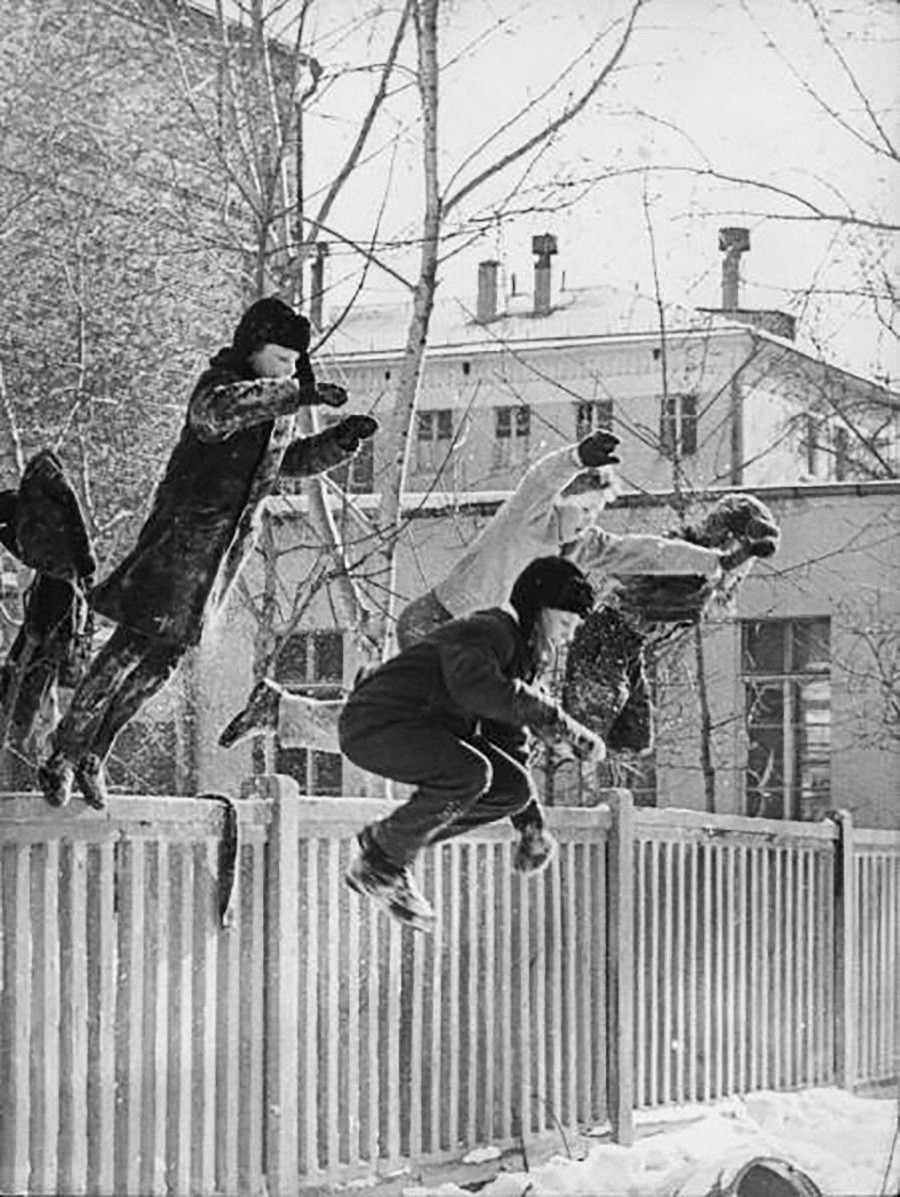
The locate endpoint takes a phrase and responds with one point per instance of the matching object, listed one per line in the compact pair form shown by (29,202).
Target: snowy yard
(840,1141)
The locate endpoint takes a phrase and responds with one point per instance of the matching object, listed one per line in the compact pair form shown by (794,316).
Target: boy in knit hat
(238,438)
(451,715)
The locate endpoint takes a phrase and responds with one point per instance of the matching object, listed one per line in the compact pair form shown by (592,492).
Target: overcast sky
(749,87)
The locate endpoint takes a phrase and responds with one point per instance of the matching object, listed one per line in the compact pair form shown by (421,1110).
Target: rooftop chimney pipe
(317,289)
(733,243)
(486,309)
(543,247)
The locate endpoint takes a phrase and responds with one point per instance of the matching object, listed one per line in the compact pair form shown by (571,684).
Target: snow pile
(840,1141)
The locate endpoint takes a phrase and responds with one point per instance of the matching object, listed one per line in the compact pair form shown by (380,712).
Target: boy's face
(558,626)
(273,361)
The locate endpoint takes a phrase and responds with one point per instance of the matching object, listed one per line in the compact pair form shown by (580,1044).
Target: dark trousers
(128,670)
(39,656)
(461,783)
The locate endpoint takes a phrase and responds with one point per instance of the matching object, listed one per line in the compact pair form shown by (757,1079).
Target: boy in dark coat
(449,715)
(237,439)
(42,526)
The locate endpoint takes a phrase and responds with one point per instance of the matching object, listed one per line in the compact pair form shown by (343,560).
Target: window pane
(763,645)
(523,421)
(688,424)
(292,762)
(765,804)
(504,422)
(765,760)
(327,778)
(423,426)
(328,657)
(362,469)
(444,425)
(667,425)
(290,662)
(584,421)
(765,705)
(811,649)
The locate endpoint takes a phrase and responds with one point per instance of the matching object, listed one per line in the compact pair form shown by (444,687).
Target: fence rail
(665,956)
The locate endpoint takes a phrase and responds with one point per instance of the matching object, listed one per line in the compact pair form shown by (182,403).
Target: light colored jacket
(533,523)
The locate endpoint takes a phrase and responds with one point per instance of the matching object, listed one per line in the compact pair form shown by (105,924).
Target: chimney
(486,309)
(733,243)
(543,247)
(317,289)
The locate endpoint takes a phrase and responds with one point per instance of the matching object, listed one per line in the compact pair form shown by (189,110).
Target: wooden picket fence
(193,1001)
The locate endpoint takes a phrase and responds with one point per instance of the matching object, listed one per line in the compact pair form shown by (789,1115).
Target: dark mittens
(598,449)
(354,429)
(330,394)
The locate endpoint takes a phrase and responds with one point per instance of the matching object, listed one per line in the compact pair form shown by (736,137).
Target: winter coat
(531,523)
(236,440)
(472,676)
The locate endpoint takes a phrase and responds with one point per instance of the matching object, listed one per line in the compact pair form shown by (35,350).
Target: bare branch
(569,113)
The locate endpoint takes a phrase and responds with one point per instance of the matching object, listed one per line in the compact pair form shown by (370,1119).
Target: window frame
(679,422)
(305,766)
(790,682)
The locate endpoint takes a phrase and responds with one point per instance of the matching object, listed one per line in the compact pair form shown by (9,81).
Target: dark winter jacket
(472,676)
(237,439)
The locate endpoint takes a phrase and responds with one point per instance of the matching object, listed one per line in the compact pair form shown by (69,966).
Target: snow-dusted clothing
(449,715)
(605,686)
(533,523)
(41,524)
(237,439)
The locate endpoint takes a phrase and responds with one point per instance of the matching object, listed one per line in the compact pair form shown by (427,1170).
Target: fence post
(620,968)
(845,964)
(281,923)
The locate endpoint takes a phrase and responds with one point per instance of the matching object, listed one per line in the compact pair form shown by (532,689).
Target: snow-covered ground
(840,1141)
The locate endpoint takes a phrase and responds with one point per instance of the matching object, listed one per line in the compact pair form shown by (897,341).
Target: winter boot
(371,874)
(259,715)
(91,781)
(55,777)
(535,849)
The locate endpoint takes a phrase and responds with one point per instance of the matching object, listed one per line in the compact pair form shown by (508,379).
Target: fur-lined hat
(269,321)
(550,582)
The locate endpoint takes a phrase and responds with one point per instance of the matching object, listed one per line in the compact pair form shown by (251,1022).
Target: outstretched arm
(475,679)
(597,550)
(324,450)
(217,410)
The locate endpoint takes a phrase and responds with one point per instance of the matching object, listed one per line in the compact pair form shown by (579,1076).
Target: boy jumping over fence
(450,715)
(553,511)
(237,439)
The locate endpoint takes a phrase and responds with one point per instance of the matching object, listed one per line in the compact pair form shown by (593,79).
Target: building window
(841,454)
(809,442)
(593,417)
(678,425)
(512,435)
(434,435)
(786,666)
(316,773)
(357,476)
(311,663)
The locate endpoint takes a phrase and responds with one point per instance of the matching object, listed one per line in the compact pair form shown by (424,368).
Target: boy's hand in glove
(330,394)
(598,450)
(354,429)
